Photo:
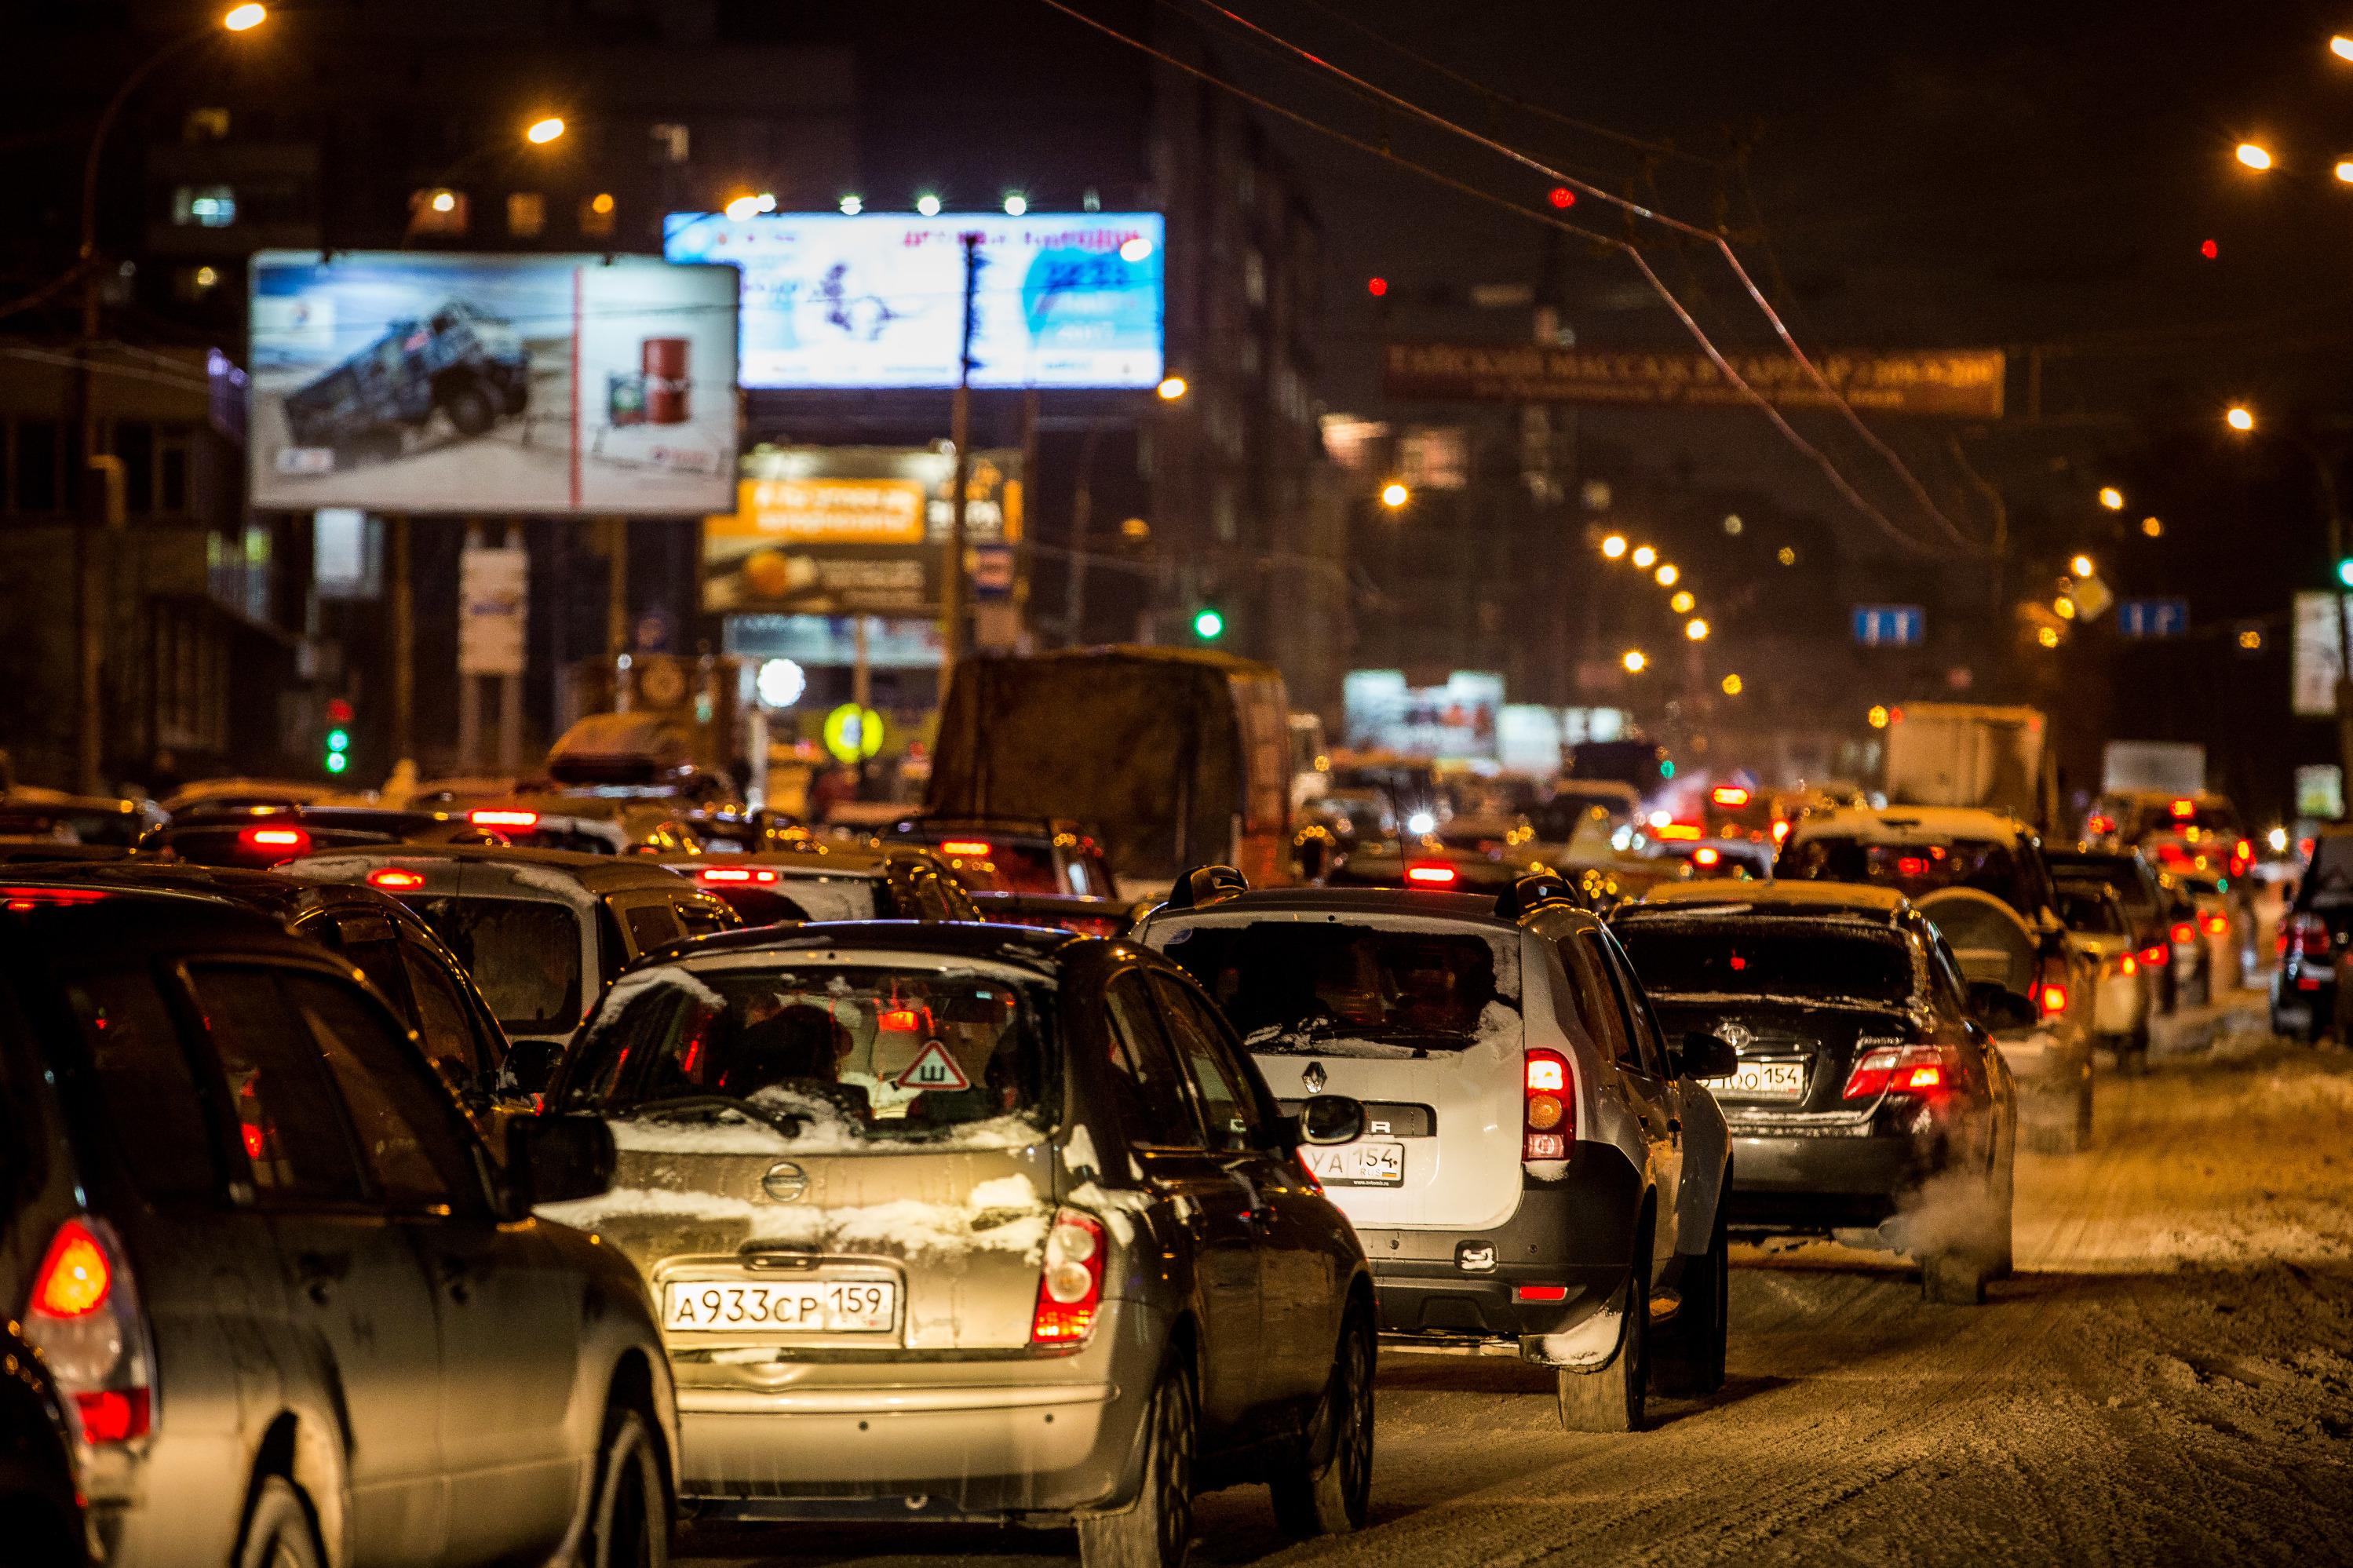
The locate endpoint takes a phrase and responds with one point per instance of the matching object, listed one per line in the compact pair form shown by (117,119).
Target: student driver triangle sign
(933,1068)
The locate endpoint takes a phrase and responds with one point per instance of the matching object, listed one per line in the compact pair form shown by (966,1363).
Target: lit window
(437,210)
(671,143)
(526,213)
(204,206)
(205,125)
(596,214)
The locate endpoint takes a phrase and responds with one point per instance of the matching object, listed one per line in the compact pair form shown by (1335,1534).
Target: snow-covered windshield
(523,953)
(855,1053)
(1292,985)
(1813,960)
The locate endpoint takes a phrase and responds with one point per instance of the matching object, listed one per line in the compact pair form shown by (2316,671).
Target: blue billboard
(876,300)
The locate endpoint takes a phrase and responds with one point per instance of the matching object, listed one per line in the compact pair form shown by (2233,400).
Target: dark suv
(2314,937)
(299,1314)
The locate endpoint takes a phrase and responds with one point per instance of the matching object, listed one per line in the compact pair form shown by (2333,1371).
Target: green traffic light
(338,740)
(337,761)
(2344,571)
(1209,625)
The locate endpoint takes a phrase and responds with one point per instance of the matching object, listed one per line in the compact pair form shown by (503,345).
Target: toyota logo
(1313,1077)
(785,1182)
(1737,1036)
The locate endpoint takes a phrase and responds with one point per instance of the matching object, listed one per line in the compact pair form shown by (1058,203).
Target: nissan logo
(785,1182)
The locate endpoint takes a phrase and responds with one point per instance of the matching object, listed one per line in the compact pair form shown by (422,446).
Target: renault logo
(1313,1077)
(785,1182)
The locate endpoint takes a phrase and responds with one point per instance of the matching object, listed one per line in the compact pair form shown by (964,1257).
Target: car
(1868,1097)
(818,881)
(410,967)
(2121,1002)
(258,837)
(1541,1170)
(1353,815)
(1979,875)
(1000,855)
(961,1221)
(2314,932)
(40,1437)
(587,824)
(76,818)
(2148,908)
(1737,859)
(542,931)
(2198,832)
(300,1315)
(231,794)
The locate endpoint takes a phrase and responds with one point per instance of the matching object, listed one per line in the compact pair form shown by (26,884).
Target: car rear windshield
(824,1052)
(1987,865)
(2088,909)
(996,865)
(1342,990)
(523,953)
(837,898)
(1814,961)
(119,828)
(2120,876)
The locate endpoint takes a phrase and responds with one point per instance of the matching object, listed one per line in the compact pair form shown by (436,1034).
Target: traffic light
(2344,571)
(1207,624)
(338,755)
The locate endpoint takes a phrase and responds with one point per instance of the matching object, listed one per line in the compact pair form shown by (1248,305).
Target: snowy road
(2169,1377)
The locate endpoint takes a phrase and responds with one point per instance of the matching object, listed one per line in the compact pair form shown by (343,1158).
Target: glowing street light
(1393,494)
(444,202)
(2152,528)
(749,205)
(1666,575)
(1635,660)
(928,204)
(2341,47)
(2047,636)
(1614,546)
(1696,629)
(2240,418)
(1016,203)
(1731,686)
(2345,171)
(1877,717)
(1171,388)
(542,132)
(1682,602)
(2081,566)
(2254,157)
(1644,555)
(244,18)
(852,204)
(1135,249)
(2064,607)
(2112,498)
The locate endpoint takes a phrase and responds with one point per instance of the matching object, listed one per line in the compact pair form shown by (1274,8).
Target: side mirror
(1705,1055)
(530,1068)
(1330,1119)
(1998,1007)
(556,1159)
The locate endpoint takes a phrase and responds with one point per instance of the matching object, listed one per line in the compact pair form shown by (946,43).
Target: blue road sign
(1890,625)
(2153,617)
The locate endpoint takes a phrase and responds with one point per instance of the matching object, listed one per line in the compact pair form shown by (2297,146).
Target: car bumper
(1035,1439)
(2046,1061)
(1824,1179)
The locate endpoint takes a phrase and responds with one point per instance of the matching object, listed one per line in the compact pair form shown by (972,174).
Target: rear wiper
(784,1123)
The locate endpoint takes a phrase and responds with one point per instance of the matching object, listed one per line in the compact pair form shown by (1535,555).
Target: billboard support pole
(617,588)
(399,610)
(952,584)
(510,686)
(470,685)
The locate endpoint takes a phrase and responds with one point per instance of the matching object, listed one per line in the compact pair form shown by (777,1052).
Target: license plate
(803,1307)
(1358,1164)
(1763,1080)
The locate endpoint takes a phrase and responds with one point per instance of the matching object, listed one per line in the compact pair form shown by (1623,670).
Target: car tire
(277,1530)
(629,1516)
(469,408)
(1326,1488)
(1690,1360)
(1157,1532)
(1616,1398)
(1955,1279)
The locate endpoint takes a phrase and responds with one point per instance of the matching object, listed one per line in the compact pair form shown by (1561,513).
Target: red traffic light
(2210,249)
(1562,198)
(339,711)
(1377,286)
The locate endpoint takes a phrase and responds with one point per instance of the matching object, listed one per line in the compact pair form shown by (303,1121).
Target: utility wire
(1838,480)
(1636,209)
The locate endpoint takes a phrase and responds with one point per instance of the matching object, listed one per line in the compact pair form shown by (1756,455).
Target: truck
(2164,767)
(461,362)
(1961,754)
(1175,757)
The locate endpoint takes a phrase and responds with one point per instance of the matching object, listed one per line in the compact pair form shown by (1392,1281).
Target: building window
(134,444)
(596,215)
(671,143)
(1253,276)
(526,213)
(204,206)
(37,449)
(437,210)
(205,125)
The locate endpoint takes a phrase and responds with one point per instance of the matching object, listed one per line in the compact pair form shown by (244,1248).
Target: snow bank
(1002,1214)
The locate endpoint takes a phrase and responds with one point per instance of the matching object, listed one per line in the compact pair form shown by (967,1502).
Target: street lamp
(2152,528)
(2341,47)
(2081,566)
(852,204)
(1643,556)
(543,130)
(1171,388)
(1666,575)
(244,18)
(1635,660)
(2240,418)
(1393,494)
(1016,203)
(928,204)
(1731,686)
(1613,547)
(2254,156)
(1682,602)
(2112,498)
(1695,629)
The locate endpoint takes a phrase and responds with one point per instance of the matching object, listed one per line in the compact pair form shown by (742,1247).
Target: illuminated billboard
(406,382)
(1063,299)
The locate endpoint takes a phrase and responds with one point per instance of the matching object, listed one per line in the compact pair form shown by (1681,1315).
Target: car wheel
(277,1531)
(1615,1399)
(1326,1488)
(471,410)
(1954,1279)
(629,1520)
(1157,1532)
(1690,1362)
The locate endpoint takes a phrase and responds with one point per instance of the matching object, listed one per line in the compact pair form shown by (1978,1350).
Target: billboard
(1457,720)
(853,531)
(1963,384)
(2312,662)
(405,382)
(1068,299)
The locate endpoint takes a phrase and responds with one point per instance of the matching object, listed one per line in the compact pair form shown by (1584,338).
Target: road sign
(992,571)
(491,605)
(1890,625)
(933,1068)
(2153,617)
(853,733)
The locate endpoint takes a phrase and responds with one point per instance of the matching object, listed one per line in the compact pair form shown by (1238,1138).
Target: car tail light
(2099,825)
(1728,795)
(2214,924)
(21,898)
(393,879)
(2182,808)
(2242,854)
(277,843)
(975,848)
(501,817)
(1539,1292)
(1707,855)
(2127,964)
(83,1317)
(1903,1069)
(2051,997)
(2185,931)
(2156,955)
(1070,1292)
(2308,935)
(1548,1119)
(736,876)
(1677,832)
(1780,831)
(1431,875)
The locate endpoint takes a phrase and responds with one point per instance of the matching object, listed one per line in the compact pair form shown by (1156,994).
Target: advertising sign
(1458,720)
(2153,617)
(1958,385)
(401,380)
(1889,625)
(2312,664)
(492,605)
(877,300)
(851,531)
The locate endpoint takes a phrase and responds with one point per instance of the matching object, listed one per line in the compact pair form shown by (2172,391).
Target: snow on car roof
(1773,896)
(1910,824)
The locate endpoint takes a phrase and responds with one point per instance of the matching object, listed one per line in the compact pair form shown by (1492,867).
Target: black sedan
(1870,1097)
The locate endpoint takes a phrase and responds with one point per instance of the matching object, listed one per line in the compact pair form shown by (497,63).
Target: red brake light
(1539,1292)
(2128,964)
(902,1020)
(723,874)
(1911,866)
(1728,795)
(1069,1290)
(1548,1122)
(83,1317)
(1679,832)
(75,1276)
(2052,999)
(2100,825)
(277,843)
(112,1414)
(1780,831)
(973,848)
(2156,955)
(500,817)
(2214,924)
(1430,874)
(22,899)
(2185,931)
(2183,809)
(2310,936)
(1707,855)
(1902,1069)
(393,879)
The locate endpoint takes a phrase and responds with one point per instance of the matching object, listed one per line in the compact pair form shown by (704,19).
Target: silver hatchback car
(955,1221)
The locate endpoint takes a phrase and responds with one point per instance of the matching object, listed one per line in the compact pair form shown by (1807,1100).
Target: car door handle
(321,1272)
(457,1277)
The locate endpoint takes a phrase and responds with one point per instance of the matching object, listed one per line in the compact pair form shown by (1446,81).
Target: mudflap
(1590,1346)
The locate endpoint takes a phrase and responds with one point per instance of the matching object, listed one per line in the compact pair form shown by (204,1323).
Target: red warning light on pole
(1377,286)
(2210,250)
(1562,198)
(339,711)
